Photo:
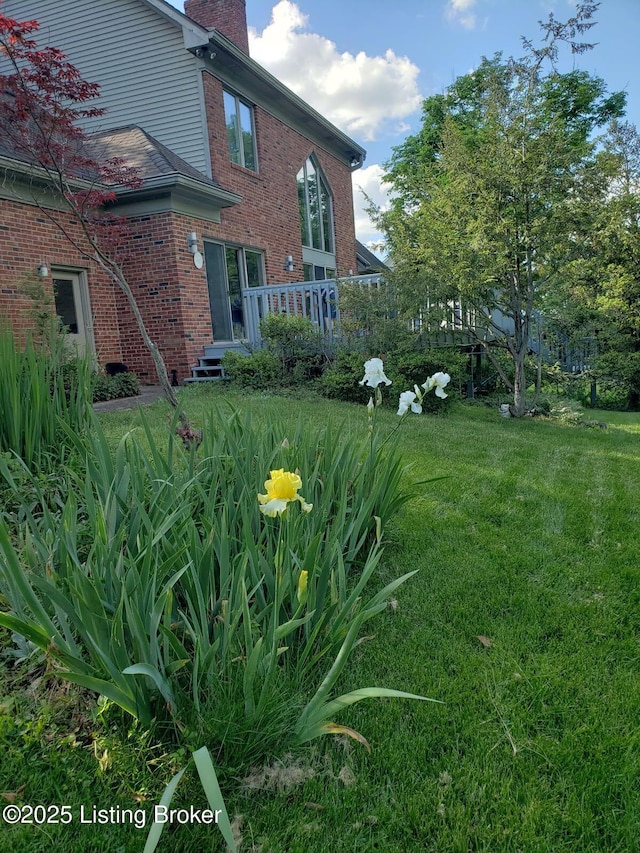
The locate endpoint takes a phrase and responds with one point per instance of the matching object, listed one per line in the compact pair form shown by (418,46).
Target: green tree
(484,215)
(603,287)
(619,296)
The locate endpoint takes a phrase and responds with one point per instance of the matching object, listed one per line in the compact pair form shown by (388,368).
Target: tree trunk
(118,277)
(536,396)
(519,386)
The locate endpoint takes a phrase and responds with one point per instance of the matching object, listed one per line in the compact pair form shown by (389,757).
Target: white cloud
(369,181)
(363,95)
(461,12)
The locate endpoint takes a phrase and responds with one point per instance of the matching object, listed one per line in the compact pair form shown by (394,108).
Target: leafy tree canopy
(484,215)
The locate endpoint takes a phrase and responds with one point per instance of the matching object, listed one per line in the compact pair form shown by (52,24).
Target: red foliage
(42,100)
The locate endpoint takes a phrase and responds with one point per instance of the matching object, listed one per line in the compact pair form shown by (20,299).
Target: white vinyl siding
(146,77)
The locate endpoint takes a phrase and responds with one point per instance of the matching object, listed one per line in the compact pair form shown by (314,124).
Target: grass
(530,544)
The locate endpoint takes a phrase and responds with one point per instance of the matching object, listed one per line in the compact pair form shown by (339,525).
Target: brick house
(244,186)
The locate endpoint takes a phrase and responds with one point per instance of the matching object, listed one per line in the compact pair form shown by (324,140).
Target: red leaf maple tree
(42,99)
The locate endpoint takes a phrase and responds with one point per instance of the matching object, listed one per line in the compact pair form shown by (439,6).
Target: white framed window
(317,272)
(73,309)
(241,134)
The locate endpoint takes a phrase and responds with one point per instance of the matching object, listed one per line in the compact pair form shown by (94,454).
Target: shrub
(294,354)
(404,368)
(371,317)
(107,387)
(411,367)
(341,380)
(260,370)
(543,406)
(297,344)
(567,412)
(285,334)
(617,377)
(619,380)
(126,384)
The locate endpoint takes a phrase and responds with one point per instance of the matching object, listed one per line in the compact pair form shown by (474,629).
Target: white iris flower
(374,373)
(437,381)
(407,400)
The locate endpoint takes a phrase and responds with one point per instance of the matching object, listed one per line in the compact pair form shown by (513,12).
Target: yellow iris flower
(280,489)
(302,587)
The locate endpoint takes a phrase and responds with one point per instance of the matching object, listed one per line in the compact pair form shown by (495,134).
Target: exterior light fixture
(288,264)
(42,271)
(192,243)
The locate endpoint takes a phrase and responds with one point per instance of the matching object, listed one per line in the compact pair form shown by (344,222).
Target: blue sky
(368,64)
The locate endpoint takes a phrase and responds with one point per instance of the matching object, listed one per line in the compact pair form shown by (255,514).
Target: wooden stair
(209,367)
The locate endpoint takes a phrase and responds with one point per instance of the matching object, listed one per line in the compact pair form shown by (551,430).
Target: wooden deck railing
(317,300)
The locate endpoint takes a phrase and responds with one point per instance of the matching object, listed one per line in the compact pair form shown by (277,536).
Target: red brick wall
(171,293)
(268,215)
(227,16)
(27,240)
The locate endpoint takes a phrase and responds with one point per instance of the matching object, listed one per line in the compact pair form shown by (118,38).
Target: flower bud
(302,588)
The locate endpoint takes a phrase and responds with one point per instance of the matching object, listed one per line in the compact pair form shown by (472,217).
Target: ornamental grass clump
(41,385)
(161,580)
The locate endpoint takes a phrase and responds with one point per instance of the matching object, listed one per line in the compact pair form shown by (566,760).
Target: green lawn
(530,543)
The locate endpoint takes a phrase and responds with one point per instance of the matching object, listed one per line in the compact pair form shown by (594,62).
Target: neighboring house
(243,184)
(367,262)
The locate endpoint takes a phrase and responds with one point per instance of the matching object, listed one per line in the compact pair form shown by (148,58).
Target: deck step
(218,350)
(209,367)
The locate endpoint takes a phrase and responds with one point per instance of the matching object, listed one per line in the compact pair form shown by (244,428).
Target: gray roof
(159,168)
(367,259)
(141,151)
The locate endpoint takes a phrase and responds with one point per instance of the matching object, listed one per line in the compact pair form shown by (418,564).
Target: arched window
(314,203)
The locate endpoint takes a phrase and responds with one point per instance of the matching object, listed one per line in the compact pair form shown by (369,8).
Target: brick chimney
(229,17)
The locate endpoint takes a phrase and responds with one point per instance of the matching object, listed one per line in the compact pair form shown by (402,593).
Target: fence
(317,300)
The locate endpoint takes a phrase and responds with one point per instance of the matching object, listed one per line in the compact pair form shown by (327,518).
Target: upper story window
(240,132)
(314,203)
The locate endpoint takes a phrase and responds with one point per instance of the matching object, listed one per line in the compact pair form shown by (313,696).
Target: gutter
(190,186)
(150,187)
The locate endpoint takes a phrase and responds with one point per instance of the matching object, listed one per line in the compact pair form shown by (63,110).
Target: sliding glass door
(230,269)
